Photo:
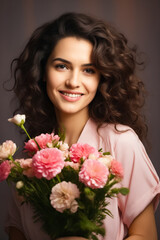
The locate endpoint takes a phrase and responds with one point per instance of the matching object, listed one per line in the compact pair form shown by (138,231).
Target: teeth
(71,95)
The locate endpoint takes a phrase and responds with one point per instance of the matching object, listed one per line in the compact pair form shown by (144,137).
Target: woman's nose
(73,80)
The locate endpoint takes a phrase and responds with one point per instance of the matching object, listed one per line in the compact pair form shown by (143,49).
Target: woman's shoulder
(108,135)
(118,133)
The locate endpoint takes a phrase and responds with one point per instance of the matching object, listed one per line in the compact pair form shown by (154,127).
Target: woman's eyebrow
(61,59)
(66,61)
(88,65)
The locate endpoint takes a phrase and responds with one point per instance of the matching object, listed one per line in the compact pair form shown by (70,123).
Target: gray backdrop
(138,19)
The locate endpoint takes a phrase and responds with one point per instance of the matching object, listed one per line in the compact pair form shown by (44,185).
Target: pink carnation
(48,163)
(93,174)
(42,141)
(4,170)
(31,146)
(78,151)
(116,168)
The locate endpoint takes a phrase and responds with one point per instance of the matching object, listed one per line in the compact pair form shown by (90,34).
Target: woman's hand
(72,238)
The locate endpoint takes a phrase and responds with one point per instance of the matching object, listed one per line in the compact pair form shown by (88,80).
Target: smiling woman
(79,74)
(71,81)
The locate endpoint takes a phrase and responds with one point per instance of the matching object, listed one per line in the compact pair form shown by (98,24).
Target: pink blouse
(139,176)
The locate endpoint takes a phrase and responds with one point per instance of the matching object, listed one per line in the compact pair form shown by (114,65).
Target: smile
(71,97)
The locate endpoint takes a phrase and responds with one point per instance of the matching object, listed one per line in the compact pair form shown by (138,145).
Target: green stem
(24,129)
(14,162)
(11,158)
(37,144)
(58,178)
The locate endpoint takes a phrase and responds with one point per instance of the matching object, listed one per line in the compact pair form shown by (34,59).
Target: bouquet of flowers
(67,187)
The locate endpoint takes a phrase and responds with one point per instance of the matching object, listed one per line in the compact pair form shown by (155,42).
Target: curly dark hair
(120,94)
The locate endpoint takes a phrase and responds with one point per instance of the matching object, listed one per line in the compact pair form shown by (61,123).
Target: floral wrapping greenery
(67,187)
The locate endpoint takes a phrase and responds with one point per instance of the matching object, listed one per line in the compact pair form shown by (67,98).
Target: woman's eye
(89,70)
(61,66)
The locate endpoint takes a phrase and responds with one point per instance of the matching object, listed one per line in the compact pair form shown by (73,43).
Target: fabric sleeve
(13,216)
(21,217)
(139,176)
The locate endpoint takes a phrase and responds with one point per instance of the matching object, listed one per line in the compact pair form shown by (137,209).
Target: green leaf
(124,191)
(100,150)
(106,153)
(115,190)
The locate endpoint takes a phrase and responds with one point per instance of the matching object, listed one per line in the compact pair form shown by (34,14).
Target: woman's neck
(73,125)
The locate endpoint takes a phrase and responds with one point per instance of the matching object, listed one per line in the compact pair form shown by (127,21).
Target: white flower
(106,160)
(19,184)
(18,119)
(63,196)
(92,156)
(7,149)
(63,146)
(50,145)
(73,165)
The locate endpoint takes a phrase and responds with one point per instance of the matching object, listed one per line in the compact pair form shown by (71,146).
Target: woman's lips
(70,96)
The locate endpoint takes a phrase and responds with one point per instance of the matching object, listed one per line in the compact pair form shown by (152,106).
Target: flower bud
(19,184)
(89,193)
(63,147)
(50,145)
(18,119)
(106,160)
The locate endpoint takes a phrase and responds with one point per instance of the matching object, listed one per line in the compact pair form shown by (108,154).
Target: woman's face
(71,77)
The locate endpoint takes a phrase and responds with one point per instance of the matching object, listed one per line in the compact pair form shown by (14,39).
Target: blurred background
(139,20)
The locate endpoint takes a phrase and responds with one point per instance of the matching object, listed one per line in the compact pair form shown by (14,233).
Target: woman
(78,73)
